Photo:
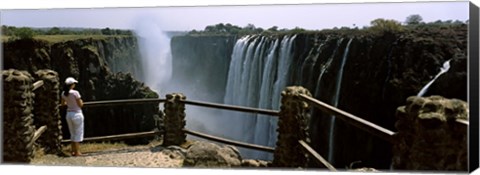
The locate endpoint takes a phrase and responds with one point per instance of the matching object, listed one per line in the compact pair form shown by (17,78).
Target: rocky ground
(195,154)
(191,154)
(132,156)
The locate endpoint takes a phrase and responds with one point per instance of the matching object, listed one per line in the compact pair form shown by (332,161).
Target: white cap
(70,81)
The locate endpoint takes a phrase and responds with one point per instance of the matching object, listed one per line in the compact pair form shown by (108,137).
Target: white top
(71,100)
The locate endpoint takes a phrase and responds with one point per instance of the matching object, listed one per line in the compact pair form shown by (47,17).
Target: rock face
(200,66)
(428,136)
(94,62)
(205,155)
(452,83)
(380,72)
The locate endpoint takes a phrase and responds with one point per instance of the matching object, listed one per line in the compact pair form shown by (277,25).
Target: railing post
(174,120)
(46,111)
(428,136)
(18,129)
(292,127)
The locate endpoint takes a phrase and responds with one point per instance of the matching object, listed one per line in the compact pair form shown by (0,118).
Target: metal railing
(317,156)
(124,101)
(273,113)
(360,123)
(230,142)
(38,133)
(37,84)
(42,129)
(119,136)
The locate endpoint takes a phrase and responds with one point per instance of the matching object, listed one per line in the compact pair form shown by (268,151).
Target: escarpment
(107,68)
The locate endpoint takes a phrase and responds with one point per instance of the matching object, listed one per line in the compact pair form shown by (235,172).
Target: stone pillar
(46,111)
(18,129)
(292,126)
(428,136)
(174,120)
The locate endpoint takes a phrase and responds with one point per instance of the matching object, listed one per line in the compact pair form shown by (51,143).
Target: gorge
(368,74)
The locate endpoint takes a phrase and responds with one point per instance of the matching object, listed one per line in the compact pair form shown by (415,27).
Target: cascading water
(336,96)
(323,69)
(389,70)
(258,72)
(445,68)
(266,94)
(251,83)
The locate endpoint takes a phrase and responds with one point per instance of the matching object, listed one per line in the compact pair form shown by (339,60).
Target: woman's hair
(66,90)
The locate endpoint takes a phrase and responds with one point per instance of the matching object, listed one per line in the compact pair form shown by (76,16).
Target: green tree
(24,33)
(249,27)
(106,31)
(274,28)
(385,25)
(298,29)
(4,30)
(54,31)
(8,30)
(414,19)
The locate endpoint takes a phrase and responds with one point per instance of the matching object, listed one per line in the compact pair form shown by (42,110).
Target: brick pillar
(174,120)
(46,111)
(292,126)
(18,129)
(428,136)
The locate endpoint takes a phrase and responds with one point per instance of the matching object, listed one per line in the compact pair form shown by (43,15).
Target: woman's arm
(80,102)
(63,103)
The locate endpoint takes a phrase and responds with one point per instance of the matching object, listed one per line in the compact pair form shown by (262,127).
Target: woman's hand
(63,103)
(80,102)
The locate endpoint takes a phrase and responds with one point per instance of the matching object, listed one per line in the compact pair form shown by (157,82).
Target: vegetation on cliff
(377,26)
(12,32)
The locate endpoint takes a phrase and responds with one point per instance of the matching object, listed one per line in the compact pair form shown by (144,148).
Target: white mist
(154,46)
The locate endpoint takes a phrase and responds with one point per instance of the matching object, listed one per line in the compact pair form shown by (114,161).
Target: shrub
(413,19)
(382,26)
(24,33)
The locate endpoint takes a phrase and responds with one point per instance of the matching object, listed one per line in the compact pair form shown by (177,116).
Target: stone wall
(292,127)
(18,128)
(46,111)
(428,136)
(25,110)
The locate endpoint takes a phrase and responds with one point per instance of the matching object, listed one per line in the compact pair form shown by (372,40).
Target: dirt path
(137,156)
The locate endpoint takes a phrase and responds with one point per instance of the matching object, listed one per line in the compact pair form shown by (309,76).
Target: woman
(74,117)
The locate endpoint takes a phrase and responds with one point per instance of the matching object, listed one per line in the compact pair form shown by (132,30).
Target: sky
(308,16)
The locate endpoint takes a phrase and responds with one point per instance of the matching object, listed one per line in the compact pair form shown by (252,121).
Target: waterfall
(265,100)
(389,70)
(233,83)
(336,97)
(445,68)
(323,69)
(258,72)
